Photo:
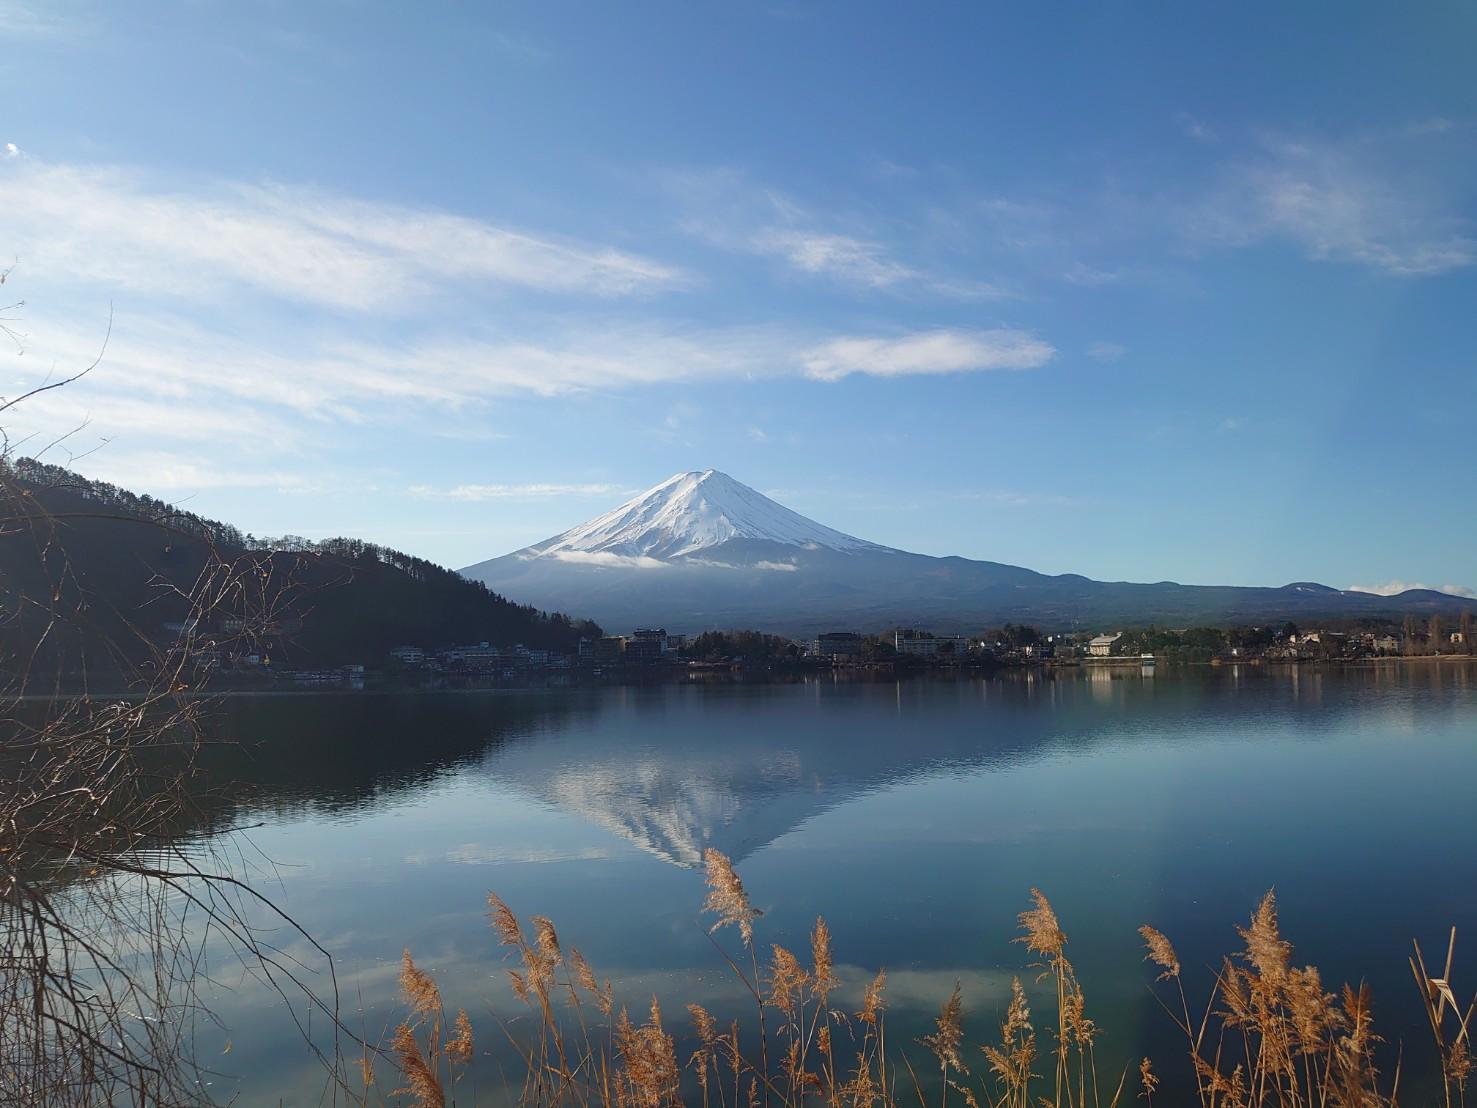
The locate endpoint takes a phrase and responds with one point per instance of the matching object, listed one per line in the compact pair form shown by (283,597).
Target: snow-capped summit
(692,512)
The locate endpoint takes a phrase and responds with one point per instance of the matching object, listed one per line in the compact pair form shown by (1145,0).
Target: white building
(1102,645)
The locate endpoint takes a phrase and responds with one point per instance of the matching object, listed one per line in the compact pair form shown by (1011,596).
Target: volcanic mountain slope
(701,550)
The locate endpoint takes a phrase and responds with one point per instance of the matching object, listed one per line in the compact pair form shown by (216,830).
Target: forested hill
(96,576)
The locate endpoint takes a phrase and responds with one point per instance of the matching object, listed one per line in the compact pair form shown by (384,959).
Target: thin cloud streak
(928,352)
(863,263)
(108,225)
(1339,205)
(24,20)
(839,256)
(1106,351)
(516,492)
(727,210)
(161,471)
(606,558)
(325,380)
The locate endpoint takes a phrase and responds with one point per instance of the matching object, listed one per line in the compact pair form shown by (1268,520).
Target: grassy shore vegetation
(1268,1032)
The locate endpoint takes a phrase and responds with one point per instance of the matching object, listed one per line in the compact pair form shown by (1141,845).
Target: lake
(914,816)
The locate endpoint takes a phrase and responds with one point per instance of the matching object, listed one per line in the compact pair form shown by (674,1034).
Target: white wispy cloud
(162,471)
(221,336)
(515,492)
(840,256)
(728,210)
(1435,125)
(928,352)
(605,558)
(1080,273)
(112,226)
(863,263)
(28,20)
(1340,203)
(1013,498)
(1392,199)
(1395,588)
(157,371)
(1106,351)
(177,418)
(765,566)
(1194,128)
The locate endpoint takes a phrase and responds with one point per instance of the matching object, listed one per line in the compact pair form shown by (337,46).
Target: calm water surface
(914,816)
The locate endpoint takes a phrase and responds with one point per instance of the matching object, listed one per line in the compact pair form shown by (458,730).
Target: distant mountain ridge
(701,550)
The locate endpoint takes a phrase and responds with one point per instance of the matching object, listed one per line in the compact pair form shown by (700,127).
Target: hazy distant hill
(90,572)
(701,550)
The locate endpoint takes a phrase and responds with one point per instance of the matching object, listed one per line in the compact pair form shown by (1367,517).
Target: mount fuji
(701,550)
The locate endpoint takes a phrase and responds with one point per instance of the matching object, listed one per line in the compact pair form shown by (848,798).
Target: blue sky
(1145,291)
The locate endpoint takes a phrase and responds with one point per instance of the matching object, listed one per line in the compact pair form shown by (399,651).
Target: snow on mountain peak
(689,512)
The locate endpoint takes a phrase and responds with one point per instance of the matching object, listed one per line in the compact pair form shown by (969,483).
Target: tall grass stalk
(1268,1034)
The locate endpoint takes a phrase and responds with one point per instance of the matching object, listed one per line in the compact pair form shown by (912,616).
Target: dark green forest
(93,577)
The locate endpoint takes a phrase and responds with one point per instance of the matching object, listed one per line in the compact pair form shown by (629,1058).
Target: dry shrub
(107,909)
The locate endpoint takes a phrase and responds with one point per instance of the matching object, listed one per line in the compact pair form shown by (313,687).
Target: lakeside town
(654,651)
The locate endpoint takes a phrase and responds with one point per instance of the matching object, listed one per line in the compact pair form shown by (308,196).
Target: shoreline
(857,674)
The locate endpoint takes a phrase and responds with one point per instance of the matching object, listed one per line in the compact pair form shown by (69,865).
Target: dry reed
(1269,1033)
(427,1071)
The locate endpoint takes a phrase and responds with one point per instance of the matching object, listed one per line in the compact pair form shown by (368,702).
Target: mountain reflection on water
(915,816)
(676,769)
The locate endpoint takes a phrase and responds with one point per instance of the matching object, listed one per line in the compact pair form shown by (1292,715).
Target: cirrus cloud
(113,226)
(1339,204)
(337,378)
(928,352)
(515,492)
